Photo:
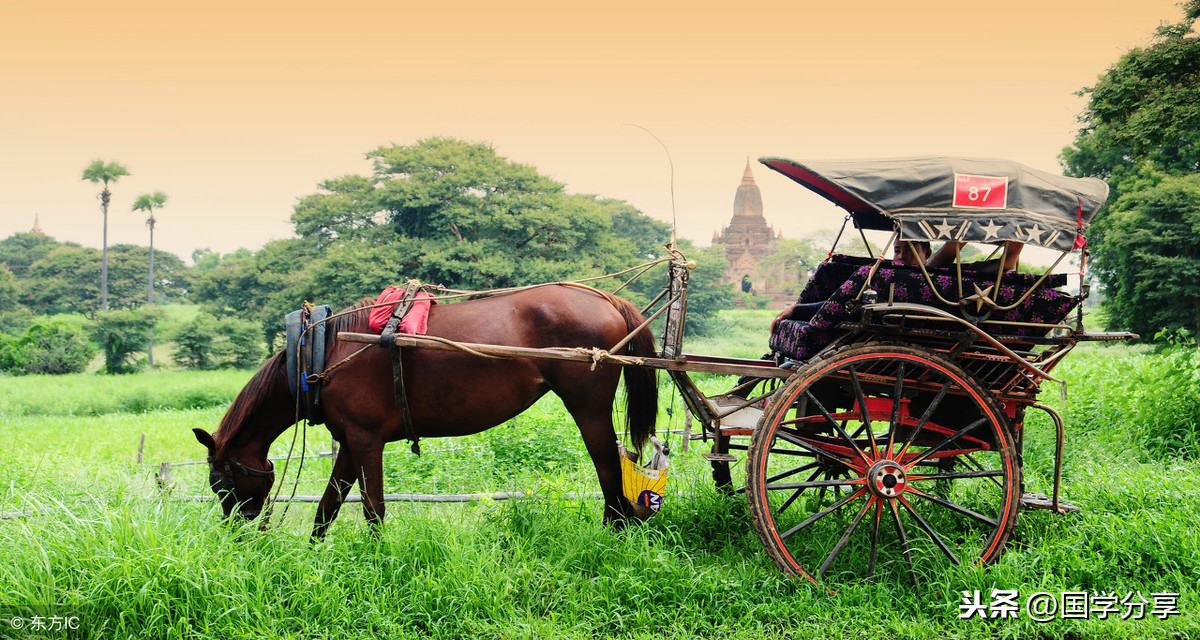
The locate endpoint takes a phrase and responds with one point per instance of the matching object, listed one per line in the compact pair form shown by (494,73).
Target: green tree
(263,286)
(795,259)
(121,335)
(1152,275)
(10,290)
(1141,132)
(50,347)
(65,281)
(208,343)
(14,317)
(466,216)
(99,172)
(147,203)
(20,250)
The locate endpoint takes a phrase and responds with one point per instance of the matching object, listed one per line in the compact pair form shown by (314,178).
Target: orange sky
(236,112)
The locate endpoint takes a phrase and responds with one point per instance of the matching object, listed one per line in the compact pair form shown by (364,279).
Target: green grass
(94,395)
(105,545)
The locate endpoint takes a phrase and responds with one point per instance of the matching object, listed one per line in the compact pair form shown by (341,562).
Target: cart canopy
(961,199)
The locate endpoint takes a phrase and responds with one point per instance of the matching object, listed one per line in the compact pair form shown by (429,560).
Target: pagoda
(748,239)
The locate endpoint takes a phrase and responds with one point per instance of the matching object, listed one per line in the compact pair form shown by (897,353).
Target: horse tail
(262,385)
(641,383)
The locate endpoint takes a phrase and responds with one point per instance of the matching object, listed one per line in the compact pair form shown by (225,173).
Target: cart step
(1041,501)
(719,457)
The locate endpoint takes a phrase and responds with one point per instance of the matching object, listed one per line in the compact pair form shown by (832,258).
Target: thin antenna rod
(672,164)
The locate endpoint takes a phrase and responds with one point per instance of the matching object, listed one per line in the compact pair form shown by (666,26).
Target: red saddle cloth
(415,322)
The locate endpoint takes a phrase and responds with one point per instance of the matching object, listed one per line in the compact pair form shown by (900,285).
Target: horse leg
(592,410)
(369,467)
(340,482)
(601,442)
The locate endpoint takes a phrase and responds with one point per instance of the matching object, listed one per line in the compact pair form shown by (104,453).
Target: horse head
(238,486)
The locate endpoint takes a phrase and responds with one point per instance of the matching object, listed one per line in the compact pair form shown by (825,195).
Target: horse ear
(206,439)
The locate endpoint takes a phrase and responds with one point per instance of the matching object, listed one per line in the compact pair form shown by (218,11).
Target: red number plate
(980,192)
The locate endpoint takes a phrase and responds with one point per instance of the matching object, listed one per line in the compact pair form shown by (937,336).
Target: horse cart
(885,433)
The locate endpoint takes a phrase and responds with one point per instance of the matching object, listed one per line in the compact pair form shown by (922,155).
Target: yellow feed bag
(645,486)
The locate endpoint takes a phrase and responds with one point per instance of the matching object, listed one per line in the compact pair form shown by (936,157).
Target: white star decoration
(944,229)
(991,229)
(1035,233)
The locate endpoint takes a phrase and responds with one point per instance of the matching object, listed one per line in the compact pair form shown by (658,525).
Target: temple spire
(748,177)
(37,228)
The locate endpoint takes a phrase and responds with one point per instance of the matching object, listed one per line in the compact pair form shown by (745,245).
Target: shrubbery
(51,347)
(208,343)
(122,335)
(1169,401)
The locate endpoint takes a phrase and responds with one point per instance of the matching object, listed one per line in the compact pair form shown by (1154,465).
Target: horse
(449,393)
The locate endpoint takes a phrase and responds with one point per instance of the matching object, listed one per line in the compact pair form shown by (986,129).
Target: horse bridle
(221,480)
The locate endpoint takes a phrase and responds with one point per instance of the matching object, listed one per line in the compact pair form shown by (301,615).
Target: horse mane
(250,398)
(273,371)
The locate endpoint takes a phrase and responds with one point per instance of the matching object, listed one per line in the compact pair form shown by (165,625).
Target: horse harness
(388,339)
(221,479)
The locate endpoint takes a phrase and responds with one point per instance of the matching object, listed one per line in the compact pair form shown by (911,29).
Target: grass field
(98,540)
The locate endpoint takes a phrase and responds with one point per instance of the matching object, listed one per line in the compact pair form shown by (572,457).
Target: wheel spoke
(796,494)
(929,530)
(874,537)
(838,427)
(845,537)
(785,474)
(942,445)
(937,401)
(912,572)
(955,507)
(821,514)
(796,440)
(975,463)
(813,485)
(994,473)
(862,408)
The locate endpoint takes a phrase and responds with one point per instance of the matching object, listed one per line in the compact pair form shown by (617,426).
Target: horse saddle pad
(415,322)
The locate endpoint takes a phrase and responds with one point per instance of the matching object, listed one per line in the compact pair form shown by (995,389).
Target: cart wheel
(882,459)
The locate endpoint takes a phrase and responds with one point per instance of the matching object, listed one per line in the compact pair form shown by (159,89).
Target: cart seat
(838,281)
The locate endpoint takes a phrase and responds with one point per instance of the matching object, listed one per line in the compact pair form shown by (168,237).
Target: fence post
(141,445)
(164,476)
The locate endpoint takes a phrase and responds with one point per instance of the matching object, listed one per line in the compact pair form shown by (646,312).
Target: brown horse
(449,393)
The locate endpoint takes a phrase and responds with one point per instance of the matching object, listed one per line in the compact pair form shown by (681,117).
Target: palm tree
(100,171)
(149,202)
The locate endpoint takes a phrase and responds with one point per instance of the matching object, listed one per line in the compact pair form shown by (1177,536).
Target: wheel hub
(886,479)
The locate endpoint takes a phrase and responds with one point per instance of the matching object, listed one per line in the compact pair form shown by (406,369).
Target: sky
(237,109)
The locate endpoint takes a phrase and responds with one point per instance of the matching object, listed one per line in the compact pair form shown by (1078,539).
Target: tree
(51,347)
(466,217)
(148,202)
(796,259)
(14,317)
(10,290)
(208,343)
(20,250)
(65,281)
(98,172)
(1153,246)
(1141,133)
(120,334)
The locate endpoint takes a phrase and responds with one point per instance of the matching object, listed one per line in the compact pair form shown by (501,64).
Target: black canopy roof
(962,199)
